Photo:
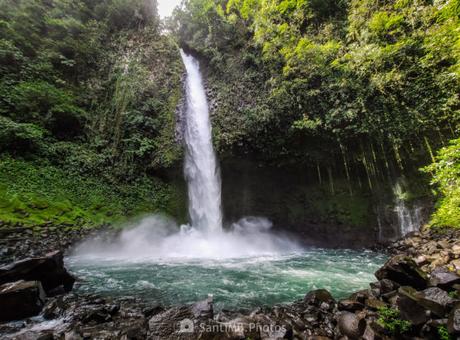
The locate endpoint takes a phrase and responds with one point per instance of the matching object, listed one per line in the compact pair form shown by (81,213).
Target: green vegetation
(364,90)
(389,319)
(446,176)
(359,92)
(375,81)
(88,93)
(42,194)
(443,333)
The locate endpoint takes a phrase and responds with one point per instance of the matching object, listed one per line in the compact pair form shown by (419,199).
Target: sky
(165,7)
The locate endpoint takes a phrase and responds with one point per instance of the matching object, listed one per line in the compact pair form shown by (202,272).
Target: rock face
(21,299)
(18,242)
(404,271)
(49,270)
(300,206)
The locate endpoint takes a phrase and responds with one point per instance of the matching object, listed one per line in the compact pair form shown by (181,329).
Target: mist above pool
(243,267)
(235,283)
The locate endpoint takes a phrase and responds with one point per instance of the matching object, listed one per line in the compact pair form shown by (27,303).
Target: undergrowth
(34,194)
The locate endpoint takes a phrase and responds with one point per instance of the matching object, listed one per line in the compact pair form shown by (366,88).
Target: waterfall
(200,168)
(409,220)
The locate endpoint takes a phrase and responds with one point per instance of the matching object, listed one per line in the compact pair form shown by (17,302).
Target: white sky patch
(166,7)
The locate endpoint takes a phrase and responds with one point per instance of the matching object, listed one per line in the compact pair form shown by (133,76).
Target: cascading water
(240,265)
(409,220)
(201,168)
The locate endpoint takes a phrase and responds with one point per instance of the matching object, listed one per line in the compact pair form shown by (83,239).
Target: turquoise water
(235,283)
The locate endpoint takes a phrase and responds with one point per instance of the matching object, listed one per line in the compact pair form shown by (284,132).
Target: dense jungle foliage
(361,88)
(88,91)
(384,73)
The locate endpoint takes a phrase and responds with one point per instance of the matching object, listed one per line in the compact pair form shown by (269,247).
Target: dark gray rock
(174,322)
(434,299)
(404,271)
(203,309)
(385,286)
(442,278)
(49,270)
(316,297)
(361,296)
(21,299)
(72,335)
(351,325)
(409,306)
(350,305)
(453,323)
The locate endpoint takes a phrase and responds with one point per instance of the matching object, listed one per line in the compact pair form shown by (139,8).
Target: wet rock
(172,321)
(351,326)
(404,271)
(453,323)
(350,305)
(49,270)
(369,333)
(374,304)
(95,314)
(136,332)
(51,310)
(72,335)
(316,297)
(152,310)
(276,332)
(361,296)
(21,299)
(409,307)
(435,300)
(444,279)
(203,309)
(386,286)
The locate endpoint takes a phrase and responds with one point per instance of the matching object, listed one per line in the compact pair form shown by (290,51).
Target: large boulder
(21,299)
(49,270)
(350,305)
(409,306)
(404,271)
(442,278)
(316,297)
(435,300)
(181,321)
(351,325)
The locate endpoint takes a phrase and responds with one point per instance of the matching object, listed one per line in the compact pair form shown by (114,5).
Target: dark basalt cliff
(295,201)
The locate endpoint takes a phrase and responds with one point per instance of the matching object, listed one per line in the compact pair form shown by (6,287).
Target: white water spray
(201,169)
(159,239)
(409,220)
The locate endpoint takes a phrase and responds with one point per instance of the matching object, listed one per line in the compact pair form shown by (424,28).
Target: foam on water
(243,282)
(159,239)
(245,265)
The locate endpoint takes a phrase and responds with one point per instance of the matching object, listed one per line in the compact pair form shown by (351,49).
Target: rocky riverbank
(416,296)
(18,242)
